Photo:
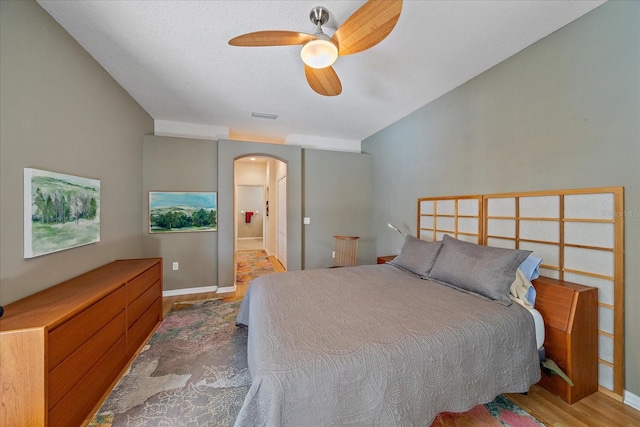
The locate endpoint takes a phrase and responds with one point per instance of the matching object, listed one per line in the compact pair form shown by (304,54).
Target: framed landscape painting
(60,212)
(182,211)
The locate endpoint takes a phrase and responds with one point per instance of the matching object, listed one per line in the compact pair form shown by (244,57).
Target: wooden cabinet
(570,313)
(385,258)
(62,349)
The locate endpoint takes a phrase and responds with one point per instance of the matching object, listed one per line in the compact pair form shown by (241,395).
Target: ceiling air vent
(264,115)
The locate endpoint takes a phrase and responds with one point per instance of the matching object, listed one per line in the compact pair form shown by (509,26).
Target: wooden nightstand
(570,313)
(385,258)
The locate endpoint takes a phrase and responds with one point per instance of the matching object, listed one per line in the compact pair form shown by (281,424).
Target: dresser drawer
(76,405)
(66,338)
(137,308)
(140,284)
(143,327)
(72,369)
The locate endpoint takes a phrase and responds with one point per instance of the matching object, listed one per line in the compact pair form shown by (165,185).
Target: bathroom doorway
(250,200)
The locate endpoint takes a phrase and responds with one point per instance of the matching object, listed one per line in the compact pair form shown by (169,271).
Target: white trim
(226,289)
(323,143)
(632,400)
(188,291)
(189,130)
(211,132)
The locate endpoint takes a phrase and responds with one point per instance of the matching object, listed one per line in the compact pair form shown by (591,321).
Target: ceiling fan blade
(324,81)
(368,26)
(271,38)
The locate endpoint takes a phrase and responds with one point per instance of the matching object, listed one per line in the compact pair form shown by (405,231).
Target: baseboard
(632,400)
(226,289)
(188,291)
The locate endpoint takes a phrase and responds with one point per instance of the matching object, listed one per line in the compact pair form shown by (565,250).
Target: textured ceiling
(174,59)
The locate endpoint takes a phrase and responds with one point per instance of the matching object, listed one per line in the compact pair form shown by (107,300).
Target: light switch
(307,220)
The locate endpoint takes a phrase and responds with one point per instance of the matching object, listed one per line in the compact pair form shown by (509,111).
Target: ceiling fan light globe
(319,53)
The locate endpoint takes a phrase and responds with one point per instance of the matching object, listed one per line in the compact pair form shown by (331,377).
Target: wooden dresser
(570,313)
(63,349)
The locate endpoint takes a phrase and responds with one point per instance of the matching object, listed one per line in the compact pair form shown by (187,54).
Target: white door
(281,200)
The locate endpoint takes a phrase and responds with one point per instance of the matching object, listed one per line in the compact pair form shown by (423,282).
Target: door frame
(280,213)
(228,151)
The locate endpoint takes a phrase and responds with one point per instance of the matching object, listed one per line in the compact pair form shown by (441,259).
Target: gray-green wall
(180,164)
(333,188)
(61,111)
(337,199)
(563,113)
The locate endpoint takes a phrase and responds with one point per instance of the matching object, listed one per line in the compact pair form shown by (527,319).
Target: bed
(381,344)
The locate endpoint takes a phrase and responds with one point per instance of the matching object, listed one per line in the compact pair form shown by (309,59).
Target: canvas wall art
(182,211)
(60,212)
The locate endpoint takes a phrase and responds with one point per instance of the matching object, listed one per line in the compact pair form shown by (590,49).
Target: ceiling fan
(365,28)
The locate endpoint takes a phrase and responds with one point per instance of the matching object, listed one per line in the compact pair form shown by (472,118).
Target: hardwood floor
(595,410)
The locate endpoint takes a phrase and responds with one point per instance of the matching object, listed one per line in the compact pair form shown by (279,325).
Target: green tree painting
(61,212)
(182,211)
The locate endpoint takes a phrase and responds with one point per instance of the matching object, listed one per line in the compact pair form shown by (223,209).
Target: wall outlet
(176,266)
(306,220)
(333,254)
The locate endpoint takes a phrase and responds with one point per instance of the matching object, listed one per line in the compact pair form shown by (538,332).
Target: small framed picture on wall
(182,211)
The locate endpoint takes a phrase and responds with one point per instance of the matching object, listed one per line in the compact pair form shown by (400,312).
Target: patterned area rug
(501,412)
(193,372)
(251,264)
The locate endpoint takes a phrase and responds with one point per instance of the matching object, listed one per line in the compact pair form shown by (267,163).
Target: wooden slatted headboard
(458,216)
(578,233)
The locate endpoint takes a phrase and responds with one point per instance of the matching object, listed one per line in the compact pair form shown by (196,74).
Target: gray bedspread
(376,346)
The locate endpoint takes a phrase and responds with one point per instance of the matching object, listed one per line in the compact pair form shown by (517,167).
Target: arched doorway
(260,205)
(228,152)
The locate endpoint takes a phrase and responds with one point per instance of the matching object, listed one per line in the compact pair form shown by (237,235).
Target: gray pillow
(417,256)
(481,270)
